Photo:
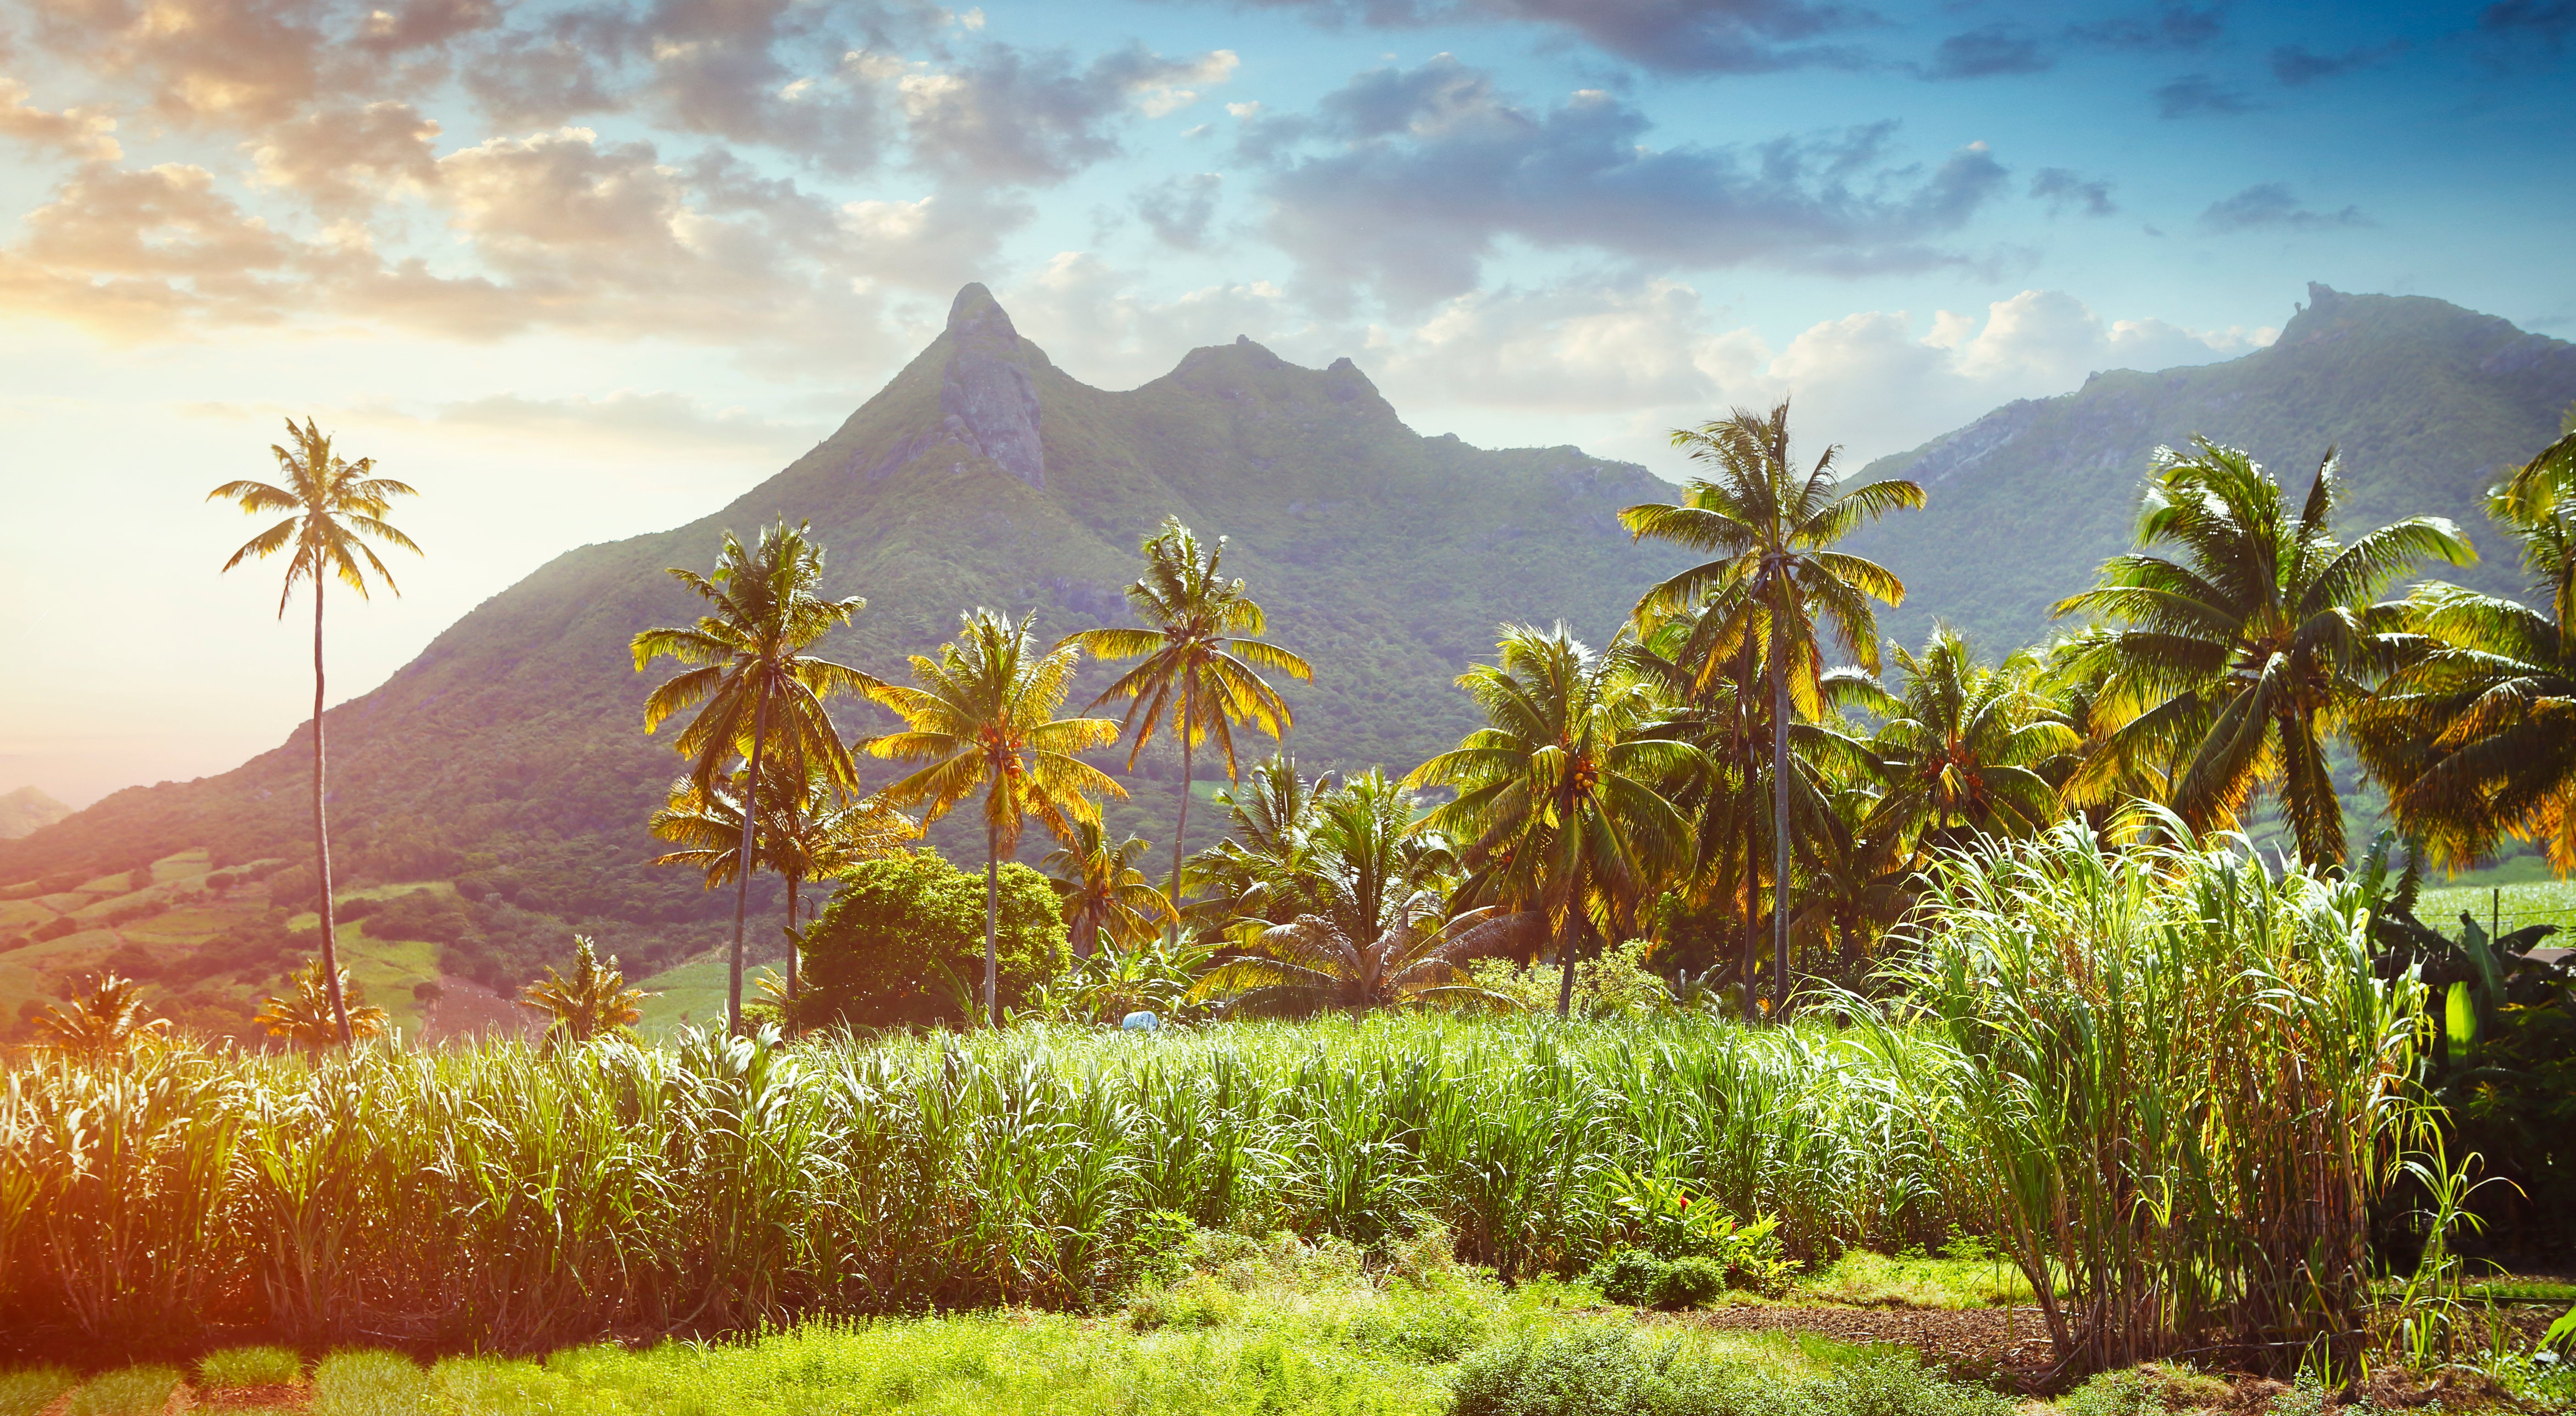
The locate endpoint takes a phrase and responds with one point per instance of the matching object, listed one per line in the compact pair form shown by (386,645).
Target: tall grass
(2171,1082)
(500,1197)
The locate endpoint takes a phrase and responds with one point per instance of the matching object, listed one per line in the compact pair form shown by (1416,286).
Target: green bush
(887,948)
(2148,1390)
(1628,1276)
(1593,1371)
(1899,1386)
(1421,1325)
(1687,1283)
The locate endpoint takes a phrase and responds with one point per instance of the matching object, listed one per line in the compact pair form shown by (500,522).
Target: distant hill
(2428,403)
(509,757)
(25,810)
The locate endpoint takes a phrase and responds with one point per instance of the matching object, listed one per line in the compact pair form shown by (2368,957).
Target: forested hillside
(509,758)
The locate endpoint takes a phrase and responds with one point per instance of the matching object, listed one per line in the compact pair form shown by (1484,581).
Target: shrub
(1899,1386)
(1593,1371)
(1628,1276)
(1424,1325)
(903,933)
(2148,1390)
(1687,1283)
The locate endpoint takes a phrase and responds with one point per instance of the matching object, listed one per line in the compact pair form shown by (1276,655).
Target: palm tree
(2475,736)
(1199,673)
(1255,869)
(320,1011)
(807,831)
(330,504)
(1555,795)
(2231,666)
(595,1000)
(103,1022)
(1103,890)
(1368,930)
(1963,753)
(1772,530)
(755,679)
(983,717)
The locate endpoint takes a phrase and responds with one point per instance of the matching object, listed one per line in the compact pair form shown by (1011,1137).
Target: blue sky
(582,270)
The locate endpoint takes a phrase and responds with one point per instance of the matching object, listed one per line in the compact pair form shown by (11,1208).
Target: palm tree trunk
(1565,937)
(795,947)
(992,931)
(1181,828)
(322,839)
(1779,832)
(742,866)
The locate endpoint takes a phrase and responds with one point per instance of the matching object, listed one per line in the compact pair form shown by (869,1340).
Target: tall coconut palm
(331,505)
(1965,751)
(762,693)
(2475,737)
(1104,893)
(808,831)
(1772,529)
(982,716)
(594,1001)
(2236,662)
(1200,672)
(1366,928)
(1556,795)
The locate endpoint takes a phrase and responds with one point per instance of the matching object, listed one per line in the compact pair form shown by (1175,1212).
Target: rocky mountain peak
(986,397)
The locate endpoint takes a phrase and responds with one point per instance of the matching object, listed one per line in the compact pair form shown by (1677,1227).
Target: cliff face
(2425,402)
(981,474)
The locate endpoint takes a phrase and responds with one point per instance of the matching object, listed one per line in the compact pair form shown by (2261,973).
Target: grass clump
(1872,1280)
(369,1383)
(2150,1389)
(28,1391)
(1608,1371)
(249,1367)
(134,1391)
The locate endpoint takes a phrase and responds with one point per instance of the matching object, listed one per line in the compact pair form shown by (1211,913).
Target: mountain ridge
(2428,404)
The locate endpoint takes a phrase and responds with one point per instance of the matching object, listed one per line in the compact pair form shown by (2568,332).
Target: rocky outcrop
(986,396)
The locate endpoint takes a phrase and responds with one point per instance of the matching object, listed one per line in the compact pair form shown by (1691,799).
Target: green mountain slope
(25,810)
(509,756)
(2427,402)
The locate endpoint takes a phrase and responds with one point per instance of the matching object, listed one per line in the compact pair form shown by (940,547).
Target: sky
(582,270)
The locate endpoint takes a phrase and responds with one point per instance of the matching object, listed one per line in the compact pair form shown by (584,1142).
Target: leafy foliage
(306,1019)
(593,1001)
(902,933)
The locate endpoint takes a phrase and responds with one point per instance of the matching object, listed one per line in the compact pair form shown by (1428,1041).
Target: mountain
(509,757)
(2427,403)
(25,809)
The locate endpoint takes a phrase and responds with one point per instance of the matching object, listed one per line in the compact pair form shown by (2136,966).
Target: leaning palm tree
(2234,664)
(1200,674)
(763,694)
(1556,795)
(1371,930)
(807,831)
(316,1014)
(1966,751)
(331,504)
(593,1001)
(982,717)
(1104,893)
(1771,529)
(101,1023)
(2475,737)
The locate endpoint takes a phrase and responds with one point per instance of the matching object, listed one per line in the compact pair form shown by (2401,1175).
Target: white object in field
(1140,1022)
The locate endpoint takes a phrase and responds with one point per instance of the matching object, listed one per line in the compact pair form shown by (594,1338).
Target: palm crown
(103,1022)
(1961,755)
(1555,796)
(981,717)
(1104,893)
(1201,671)
(593,1001)
(2476,734)
(759,694)
(2232,665)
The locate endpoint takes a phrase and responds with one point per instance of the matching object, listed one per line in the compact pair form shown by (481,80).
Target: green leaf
(2460,1019)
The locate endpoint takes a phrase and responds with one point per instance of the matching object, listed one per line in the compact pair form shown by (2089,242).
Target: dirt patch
(1983,1342)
